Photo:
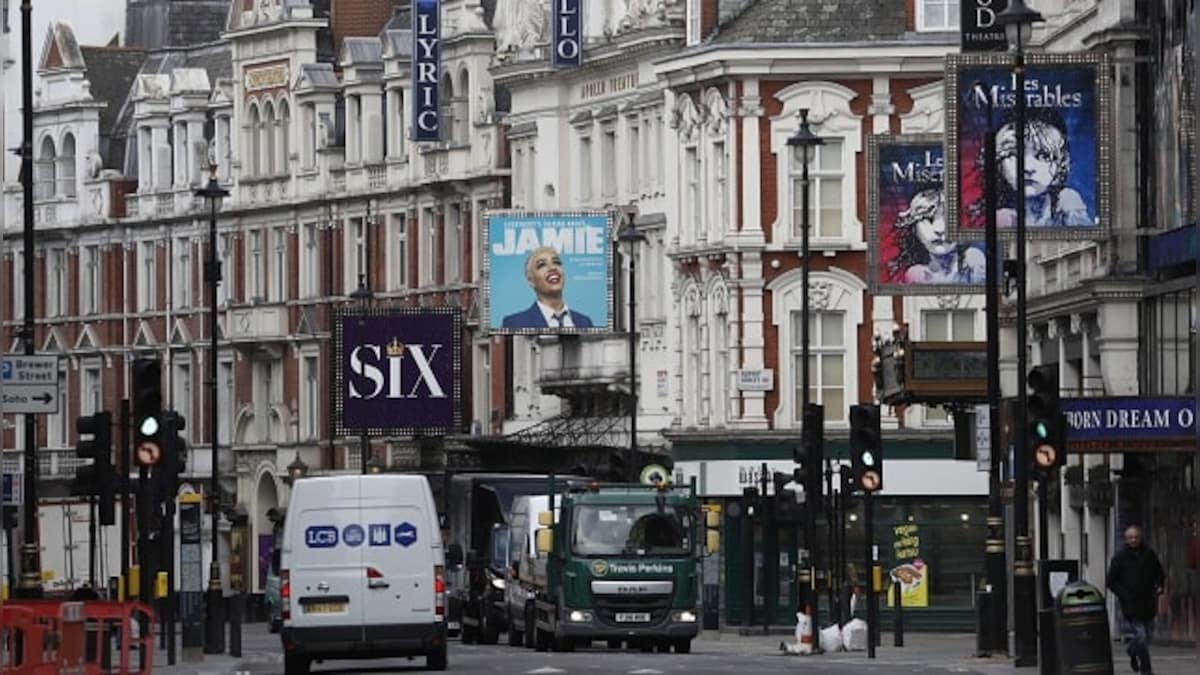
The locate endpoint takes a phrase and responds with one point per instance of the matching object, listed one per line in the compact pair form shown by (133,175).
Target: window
(826,363)
(255,269)
(56,282)
(308,113)
(635,157)
(310,267)
(398,265)
(693,23)
(585,167)
(268,139)
(691,192)
(427,247)
(310,417)
(531,176)
(358,243)
(396,140)
(181,397)
(608,164)
(66,167)
(18,289)
(183,272)
(952,325)
(45,171)
(58,425)
(254,129)
(825,191)
(91,396)
(448,124)
(938,15)
(147,277)
(89,280)
(452,243)
(267,394)
(227,402)
(225,287)
(284,145)
(279,271)
(720,181)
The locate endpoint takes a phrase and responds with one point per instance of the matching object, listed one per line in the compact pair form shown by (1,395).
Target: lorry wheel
(470,634)
(683,646)
(564,644)
(295,665)
(541,640)
(530,627)
(436,660)
(489,632)
(515,637)
(662,647)
(614,644)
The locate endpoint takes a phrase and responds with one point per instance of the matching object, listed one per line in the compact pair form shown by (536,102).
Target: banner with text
(909,568)
(426,69)
(397,370)
(910,251)
(568,33)
(1131,423)
(979,30)
(1066,144)
(548,272)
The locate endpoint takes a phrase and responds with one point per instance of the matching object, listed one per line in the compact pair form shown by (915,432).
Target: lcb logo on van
(354,535)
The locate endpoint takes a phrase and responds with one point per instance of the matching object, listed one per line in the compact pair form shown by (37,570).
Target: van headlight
(498,584)
(685,617)
(577,616)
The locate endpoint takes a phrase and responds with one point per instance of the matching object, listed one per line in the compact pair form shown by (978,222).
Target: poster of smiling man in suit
(548,272)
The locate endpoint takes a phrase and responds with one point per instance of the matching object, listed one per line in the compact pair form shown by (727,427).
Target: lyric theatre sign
(426,70)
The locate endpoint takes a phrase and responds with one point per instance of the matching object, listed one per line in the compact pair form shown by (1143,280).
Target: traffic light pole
(869,550)
(123,484)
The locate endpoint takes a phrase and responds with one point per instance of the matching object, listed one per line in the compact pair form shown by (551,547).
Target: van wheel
(436,660)
(295,665)
(489,632)
(515,637)
(541,640)
(683,646)
(470,634)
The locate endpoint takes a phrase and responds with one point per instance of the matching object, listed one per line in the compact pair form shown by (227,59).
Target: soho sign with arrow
(29,384)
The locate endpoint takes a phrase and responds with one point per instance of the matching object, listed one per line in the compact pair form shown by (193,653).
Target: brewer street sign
(29,384)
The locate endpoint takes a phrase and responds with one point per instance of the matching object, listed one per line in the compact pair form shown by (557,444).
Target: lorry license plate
(324,608)
(633,617)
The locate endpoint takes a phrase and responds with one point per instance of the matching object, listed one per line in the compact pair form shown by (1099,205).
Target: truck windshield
(631,529)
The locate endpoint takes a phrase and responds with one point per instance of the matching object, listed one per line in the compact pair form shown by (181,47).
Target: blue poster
(1064,140)
(549,272)
(568,36)
(426,69)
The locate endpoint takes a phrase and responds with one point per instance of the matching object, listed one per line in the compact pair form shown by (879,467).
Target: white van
(527,569)
(362,571)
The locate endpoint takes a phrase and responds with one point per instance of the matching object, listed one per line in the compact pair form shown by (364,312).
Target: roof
(798,21)
(111,72)
(361,51)
(175,24)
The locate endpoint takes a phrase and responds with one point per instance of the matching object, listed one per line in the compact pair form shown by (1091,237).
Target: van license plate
(325,608)
(633,617)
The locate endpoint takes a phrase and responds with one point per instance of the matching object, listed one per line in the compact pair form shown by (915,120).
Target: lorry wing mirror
(454,556)
(545,518)
(712,542)
(545,540)
(712,518)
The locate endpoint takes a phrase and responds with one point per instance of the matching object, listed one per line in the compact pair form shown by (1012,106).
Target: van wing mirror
(454,555)
(712,542)
(545,541)
(545,518)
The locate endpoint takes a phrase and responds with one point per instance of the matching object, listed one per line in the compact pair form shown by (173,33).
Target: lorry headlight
(685,617)
(577,616)
(498,584)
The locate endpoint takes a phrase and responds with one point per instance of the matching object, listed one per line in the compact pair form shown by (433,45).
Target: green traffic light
(149,426)
(1042,430)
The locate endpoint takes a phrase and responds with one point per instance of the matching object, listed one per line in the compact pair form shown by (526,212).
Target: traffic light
(98,478)
(810,456)
(174,456)
(866,447)
(1044,422)
(147,411)
(787,509)
(750,501)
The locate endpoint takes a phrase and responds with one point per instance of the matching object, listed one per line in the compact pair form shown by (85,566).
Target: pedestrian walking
(1136,577)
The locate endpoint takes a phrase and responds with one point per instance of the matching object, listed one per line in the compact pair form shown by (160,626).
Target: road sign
(29,384)
(11,489)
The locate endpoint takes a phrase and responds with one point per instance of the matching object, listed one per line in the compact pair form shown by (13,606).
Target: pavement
(724,653)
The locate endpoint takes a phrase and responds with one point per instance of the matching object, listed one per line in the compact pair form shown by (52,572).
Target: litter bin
(1081,629)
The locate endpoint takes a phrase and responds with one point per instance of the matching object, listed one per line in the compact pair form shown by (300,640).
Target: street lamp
(1018,20)
(803,143)
(362,296)
(632,236)
(374,465)
(214,632)
(296,470)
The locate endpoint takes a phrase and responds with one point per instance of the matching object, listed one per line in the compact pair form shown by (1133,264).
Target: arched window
(285,128)
(448,122)
(690,386)
(66,167)
(719,342)
(268,138)
(462,108)
(255,129)
(45,170)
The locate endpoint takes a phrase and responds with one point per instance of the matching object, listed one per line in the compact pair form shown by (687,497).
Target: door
(397,556)
(325,560)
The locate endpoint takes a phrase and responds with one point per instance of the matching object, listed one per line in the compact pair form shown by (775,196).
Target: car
(362,571)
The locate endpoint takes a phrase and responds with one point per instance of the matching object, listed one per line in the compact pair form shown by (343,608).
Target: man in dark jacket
(1136,577)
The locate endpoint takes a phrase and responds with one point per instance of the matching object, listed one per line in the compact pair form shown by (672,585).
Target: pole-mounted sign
(979,30)
(568,34)
(426,70)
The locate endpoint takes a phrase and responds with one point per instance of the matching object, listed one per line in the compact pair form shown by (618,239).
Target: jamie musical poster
(1066,144)
(911,251)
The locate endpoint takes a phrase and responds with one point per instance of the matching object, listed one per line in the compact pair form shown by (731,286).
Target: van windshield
(631,530)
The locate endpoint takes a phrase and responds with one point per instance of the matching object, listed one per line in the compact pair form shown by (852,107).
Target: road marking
(545,670)
(645,671)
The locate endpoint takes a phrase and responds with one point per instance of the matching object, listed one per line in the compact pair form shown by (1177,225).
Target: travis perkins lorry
(621,565)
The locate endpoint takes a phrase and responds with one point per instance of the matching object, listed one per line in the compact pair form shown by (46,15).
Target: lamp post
(214,631)
(1018,20)
(802,143)
(296,470)
(362,296)
(632,236)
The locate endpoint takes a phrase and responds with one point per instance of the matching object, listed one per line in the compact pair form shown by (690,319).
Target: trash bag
(803,643)
(831,638)
(854,635)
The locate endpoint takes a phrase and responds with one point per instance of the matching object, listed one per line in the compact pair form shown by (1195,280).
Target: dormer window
(45,170)
(66,167)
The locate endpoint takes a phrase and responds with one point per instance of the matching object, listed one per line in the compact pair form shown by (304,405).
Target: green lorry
(621,565)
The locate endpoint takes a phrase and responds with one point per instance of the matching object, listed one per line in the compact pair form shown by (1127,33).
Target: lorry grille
(608,606)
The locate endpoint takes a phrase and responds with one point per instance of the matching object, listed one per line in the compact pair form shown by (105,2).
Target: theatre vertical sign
(979,30)
(426,69)
(567,34)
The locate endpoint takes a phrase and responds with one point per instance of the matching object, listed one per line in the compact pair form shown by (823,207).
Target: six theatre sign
(398,371)
(426,69)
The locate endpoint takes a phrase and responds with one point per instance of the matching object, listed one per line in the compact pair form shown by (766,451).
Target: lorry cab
(362,571)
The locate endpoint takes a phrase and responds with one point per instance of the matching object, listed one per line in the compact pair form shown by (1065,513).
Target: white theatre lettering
(565,240)
(1130,419)
(369,369)
(427,64)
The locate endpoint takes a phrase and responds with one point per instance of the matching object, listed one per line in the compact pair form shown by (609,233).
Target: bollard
(234,603)
(898,617)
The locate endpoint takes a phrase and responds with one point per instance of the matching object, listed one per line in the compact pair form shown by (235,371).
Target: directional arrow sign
(29,384)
